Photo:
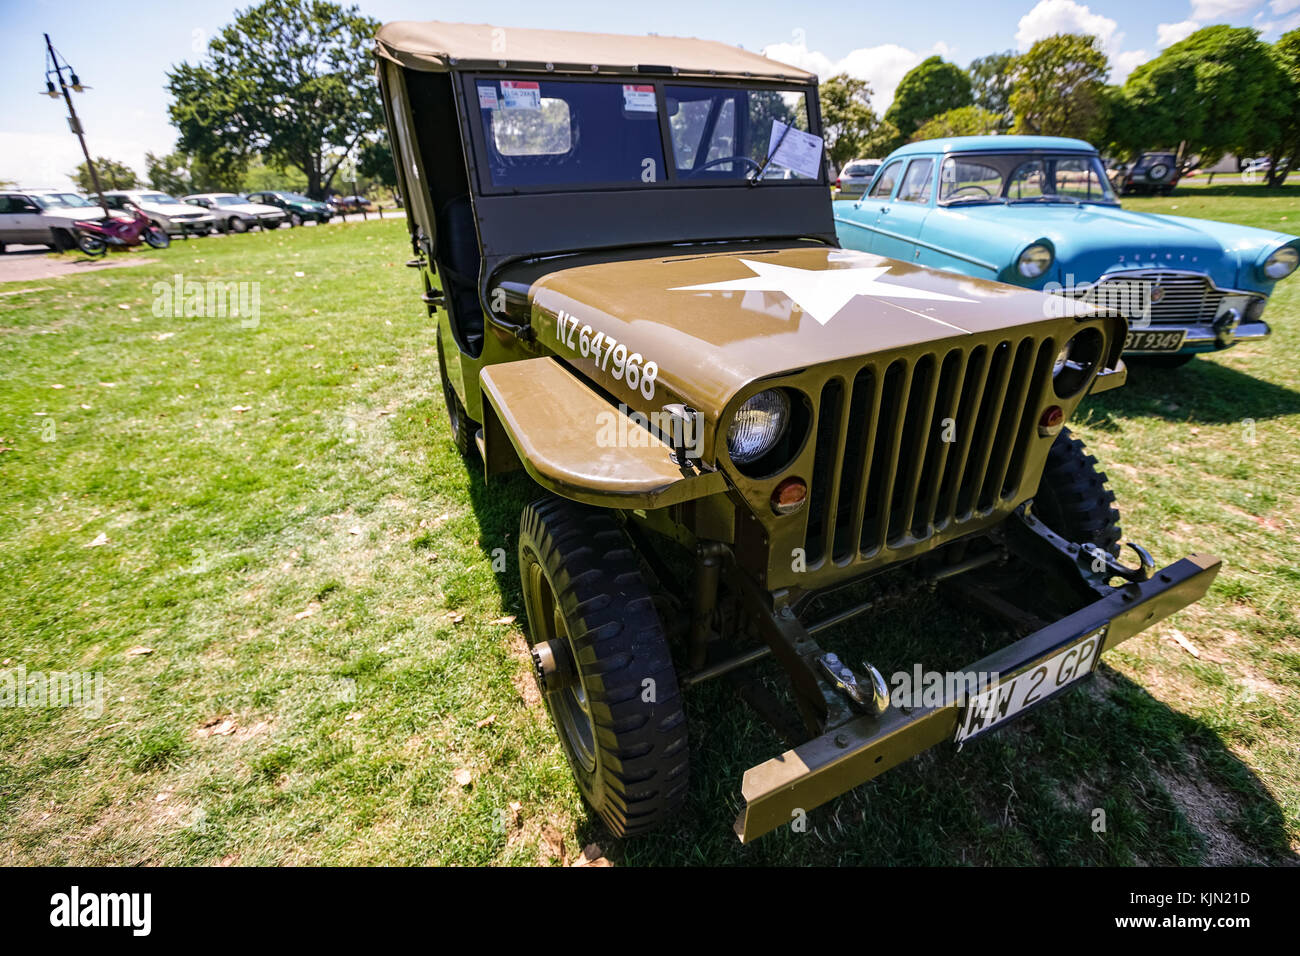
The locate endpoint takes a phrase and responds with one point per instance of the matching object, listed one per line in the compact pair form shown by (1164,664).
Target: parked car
(297,207)
(346,204)
(43,217)
(855,177)
(1149,173)
(702,383)
(236,214)
(1038,212)
(168,213)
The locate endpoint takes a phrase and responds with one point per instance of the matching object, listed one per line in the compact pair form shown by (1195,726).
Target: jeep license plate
(1155,340)
(1029,688)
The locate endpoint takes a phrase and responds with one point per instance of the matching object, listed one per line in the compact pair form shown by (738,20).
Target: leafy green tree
(376,164)
(882,140)
(932,87)
(1218,91)
(1059,88)
(963,121)
(290,80)
(1286,145)
(848,121)
(112,175)
(991,82)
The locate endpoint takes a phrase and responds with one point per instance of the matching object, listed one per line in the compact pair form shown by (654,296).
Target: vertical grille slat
(883,476)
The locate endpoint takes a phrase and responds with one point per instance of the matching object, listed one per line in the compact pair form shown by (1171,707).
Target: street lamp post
(73,122)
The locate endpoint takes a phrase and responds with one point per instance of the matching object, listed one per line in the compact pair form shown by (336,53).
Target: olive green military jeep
(745,435)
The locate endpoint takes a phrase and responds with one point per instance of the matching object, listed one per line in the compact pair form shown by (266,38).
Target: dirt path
(25,265)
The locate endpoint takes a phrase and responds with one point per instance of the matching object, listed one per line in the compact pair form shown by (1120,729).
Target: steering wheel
(723,159)
(958,192)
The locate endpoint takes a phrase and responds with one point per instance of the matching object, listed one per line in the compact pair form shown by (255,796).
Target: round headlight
(1034,261)
(1281,263)
(758,424)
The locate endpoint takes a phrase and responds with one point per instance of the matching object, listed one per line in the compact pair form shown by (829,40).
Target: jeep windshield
(1023,178)
(563,134)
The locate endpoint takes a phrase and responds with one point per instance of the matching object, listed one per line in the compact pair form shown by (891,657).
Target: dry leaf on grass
(218,727)
(241,408)
(455,616)
(463,777)
(139,651)
(552,843)
(1184,643)
(486,721)
(101,539)
(592,856)
(508,619)
(307,612)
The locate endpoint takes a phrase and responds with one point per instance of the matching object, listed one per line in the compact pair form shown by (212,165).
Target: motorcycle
(95,236)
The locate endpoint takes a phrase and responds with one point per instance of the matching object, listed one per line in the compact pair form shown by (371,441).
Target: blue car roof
(970,144)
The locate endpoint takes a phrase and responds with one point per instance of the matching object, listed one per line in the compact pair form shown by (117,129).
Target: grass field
(262,539)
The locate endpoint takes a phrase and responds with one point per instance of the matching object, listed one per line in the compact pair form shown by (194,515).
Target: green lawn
(334,674)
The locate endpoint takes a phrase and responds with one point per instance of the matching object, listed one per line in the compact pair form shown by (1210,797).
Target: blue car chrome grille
(1155,295)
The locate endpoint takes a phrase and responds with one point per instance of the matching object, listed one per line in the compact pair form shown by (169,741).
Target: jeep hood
(714,323)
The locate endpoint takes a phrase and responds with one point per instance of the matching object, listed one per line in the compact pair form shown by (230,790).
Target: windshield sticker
(521,95)
(639,99)
(794,149)
(487,97)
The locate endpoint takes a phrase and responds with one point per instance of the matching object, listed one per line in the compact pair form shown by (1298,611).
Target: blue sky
(124,50)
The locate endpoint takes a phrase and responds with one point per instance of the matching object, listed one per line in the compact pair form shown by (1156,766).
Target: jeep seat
(458,264)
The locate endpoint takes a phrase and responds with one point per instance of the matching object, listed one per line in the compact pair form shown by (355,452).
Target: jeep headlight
(1034,261)
(758,425)
(1281,263)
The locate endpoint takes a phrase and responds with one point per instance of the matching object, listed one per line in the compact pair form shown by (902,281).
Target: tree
(290,80)
(376,164)
(1286,145)
(112,175)
(991,84)
(1216,92)
(931,88)
(963,121)
(1058,88)
(847,117)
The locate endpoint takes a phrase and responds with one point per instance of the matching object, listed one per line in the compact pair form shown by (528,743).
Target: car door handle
(884,210)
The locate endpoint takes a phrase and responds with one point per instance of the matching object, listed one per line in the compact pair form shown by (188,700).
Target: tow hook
(874,700)
(1225,327)
(1104,562)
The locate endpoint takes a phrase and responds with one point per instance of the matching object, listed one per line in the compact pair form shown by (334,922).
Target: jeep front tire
(1073,499)
(601,660)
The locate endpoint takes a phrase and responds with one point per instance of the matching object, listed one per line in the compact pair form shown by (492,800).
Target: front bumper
(1207,337)
(851,754)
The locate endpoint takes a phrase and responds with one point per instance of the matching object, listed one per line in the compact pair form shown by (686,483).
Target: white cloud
(1284,6)
(1171,33)
(1220,9)
(1050,17)
(882,66)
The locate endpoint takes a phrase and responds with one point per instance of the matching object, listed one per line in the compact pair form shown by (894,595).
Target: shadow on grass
(1237,189)
(1200,391)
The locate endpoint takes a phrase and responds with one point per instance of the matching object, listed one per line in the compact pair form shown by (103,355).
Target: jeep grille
(885,478)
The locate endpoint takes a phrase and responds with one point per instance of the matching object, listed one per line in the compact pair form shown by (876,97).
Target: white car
(166,212)
(235,213)
(43,217)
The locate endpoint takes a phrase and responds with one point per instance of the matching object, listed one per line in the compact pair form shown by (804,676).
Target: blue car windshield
(1023,178)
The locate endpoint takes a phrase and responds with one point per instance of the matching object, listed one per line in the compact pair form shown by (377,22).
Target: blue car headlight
(1034,261)
(1281,263)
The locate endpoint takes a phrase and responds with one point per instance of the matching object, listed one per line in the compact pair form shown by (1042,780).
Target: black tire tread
(1073,499)
(642,761)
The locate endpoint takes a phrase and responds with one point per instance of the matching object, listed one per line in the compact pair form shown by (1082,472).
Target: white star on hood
(821,293)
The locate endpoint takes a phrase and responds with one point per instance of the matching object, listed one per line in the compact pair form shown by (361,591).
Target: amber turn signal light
(789,496)
(1051,420)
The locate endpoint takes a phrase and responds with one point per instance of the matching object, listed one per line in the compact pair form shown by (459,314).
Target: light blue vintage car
(1038,211)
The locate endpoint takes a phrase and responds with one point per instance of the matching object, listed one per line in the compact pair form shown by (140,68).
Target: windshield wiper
(758,173)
